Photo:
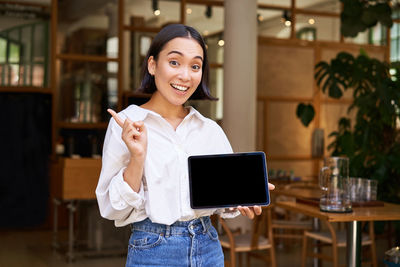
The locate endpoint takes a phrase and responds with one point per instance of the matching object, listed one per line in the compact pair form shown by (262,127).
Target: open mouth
(180,87)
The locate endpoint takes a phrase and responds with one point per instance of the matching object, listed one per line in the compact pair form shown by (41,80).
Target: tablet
(228,180)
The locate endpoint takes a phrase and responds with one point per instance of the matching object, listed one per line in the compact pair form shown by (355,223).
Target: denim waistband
(200,225)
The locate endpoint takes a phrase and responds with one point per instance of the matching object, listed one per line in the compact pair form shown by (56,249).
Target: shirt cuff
(226,214)
(122,195)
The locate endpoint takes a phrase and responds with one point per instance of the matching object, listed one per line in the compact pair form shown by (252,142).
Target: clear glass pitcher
(335,182)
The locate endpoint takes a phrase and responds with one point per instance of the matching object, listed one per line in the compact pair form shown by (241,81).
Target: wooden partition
(286,78)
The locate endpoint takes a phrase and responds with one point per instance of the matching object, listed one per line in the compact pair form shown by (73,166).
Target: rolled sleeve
(226,214)
(122,195)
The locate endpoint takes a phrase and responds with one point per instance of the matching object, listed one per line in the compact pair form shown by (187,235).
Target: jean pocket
(144,240)
(212,233)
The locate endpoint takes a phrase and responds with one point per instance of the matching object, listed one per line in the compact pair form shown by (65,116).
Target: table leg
(353,244)
(56,204)
(70,253)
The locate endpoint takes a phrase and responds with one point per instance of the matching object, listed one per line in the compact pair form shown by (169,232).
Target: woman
(144,180)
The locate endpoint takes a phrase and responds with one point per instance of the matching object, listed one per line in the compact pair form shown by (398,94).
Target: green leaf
(306,113)
(369,18)
(383,14)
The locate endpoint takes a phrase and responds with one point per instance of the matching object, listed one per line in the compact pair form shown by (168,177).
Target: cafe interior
(311,83)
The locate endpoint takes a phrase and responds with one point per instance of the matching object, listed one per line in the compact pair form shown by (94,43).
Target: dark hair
(166,34)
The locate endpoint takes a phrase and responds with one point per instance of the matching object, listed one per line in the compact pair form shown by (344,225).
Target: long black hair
(166,34)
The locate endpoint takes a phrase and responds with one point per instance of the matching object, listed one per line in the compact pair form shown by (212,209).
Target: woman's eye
(174,63)
(196,67)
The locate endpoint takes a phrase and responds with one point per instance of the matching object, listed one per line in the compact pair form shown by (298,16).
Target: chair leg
(240,259)
(373,245)
(335,255)
(304,251)
(247,259)
(233,258)
(273,259)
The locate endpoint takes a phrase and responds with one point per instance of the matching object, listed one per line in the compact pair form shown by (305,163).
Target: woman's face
(178,70)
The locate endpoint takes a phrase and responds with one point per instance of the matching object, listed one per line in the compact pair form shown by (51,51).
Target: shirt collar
(194,112)
(142,113)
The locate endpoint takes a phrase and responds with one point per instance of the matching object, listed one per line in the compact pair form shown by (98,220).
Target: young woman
(144,176)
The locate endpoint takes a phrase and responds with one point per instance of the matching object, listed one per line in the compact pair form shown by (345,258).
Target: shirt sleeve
(116,199)
(227,214)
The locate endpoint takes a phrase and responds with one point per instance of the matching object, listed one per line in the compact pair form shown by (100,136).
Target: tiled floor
(33,249)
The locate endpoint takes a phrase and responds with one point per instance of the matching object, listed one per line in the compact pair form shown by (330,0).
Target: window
(24,55)
(307,33)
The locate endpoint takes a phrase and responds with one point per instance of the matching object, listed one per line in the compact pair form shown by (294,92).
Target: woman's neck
(167,110)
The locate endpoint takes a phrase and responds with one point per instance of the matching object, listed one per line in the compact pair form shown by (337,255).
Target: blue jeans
(192,243)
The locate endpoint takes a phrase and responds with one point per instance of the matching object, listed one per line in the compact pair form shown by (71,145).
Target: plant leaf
(306,113)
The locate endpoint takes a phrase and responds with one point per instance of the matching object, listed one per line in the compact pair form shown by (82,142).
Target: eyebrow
(181,54)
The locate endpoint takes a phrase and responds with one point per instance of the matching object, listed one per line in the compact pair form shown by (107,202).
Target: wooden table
(298,192)
(73,180)
(388,212)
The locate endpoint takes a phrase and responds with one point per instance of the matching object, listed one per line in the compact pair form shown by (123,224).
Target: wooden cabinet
(75,179)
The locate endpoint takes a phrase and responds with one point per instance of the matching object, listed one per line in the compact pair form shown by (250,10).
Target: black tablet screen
(228,180)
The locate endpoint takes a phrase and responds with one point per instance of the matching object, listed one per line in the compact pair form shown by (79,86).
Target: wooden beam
(317,13)
(120,77)
(284,99)
(293,19)
(141,29)
(216,65)
(53,74)
(183,11)
(82,125)
(206,2)
(89,58)
(273,7)
(25,89)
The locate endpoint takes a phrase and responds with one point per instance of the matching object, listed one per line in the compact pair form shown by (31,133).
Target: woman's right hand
(134,134)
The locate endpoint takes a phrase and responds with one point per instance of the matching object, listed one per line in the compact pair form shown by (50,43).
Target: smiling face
(178,70)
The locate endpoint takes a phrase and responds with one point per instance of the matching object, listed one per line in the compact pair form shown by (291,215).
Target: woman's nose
(184,74)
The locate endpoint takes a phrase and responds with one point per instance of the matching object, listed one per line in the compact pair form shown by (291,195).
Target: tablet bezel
(241,154)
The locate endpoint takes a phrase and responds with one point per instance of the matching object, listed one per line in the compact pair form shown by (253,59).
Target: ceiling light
(156,10)
(221,42)
(288,23)
(311,21)
(208,12)
(188,11)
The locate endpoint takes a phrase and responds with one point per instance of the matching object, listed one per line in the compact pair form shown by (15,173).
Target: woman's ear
(151,65)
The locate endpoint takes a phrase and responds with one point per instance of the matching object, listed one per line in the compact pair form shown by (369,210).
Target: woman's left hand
(256,210)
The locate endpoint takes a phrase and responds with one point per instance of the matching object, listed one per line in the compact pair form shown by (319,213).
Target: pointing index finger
(114,114)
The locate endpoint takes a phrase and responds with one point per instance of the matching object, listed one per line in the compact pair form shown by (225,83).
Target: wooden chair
(290,225)
(336,239)
(260,238)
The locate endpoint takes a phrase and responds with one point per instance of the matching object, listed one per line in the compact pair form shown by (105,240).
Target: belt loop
(167,231)
(203,224)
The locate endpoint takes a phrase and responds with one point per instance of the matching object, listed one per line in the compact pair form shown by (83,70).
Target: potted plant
(372,140)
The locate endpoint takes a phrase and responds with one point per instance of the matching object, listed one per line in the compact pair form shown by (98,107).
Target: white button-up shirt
(164,192)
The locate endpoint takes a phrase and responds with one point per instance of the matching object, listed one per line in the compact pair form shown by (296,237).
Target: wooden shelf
(141,29)
(25,89)
(82,57)
(82,125)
